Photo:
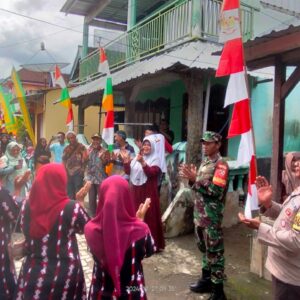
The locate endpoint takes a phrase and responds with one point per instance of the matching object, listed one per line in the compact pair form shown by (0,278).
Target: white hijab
(159,145)
(137,174)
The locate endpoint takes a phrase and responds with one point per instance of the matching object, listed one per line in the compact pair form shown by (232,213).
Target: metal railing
(167,28)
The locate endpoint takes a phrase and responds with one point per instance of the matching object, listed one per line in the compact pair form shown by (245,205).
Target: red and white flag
(103,66)
(230,21)
(232,63)
(65,99)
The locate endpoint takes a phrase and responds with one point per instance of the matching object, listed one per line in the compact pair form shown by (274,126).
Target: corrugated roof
(261,51)
(192,55)
(291,7)
(114,10)
(275,32)
(197,54)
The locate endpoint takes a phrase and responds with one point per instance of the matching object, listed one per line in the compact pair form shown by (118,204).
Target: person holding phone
(14,159)
(144,171)
(121,150)
(56,145)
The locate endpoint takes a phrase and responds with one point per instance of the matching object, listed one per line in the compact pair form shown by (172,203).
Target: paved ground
(169,273)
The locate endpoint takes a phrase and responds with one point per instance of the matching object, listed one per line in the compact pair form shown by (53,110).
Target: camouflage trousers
(210,242)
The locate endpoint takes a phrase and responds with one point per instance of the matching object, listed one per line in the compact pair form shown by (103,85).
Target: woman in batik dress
(8,215)
(52,268)
(9,211)
(118,240)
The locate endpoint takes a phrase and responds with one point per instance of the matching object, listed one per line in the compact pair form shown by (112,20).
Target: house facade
(47,119)
(163,66)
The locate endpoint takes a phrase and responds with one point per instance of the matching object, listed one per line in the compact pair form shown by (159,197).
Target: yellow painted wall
(91,121)
(55,117)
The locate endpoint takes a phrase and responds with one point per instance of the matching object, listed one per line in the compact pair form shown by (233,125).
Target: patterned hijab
(137,174)
(47,199)
(115,227)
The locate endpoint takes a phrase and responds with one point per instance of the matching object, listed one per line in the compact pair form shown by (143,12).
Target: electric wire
(109,40)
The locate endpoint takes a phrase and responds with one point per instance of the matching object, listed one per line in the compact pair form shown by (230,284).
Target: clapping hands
(124,154)
(188,171)
(141,212)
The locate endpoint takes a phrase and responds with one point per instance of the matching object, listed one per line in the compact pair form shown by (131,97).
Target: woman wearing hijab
(4,141)
(14,159)
(9,211)
(8,214)
(289,178)
(118,240)
(282,238)
(41,154)
(144,172)
(50,220)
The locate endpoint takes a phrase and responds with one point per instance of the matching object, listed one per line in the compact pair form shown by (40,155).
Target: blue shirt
(57,149)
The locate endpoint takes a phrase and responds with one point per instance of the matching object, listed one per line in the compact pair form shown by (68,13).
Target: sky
(20,37)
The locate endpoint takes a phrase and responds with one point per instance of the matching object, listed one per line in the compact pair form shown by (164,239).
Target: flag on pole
(8,116)
(103,62)
(232,63)
(108,106)
(20,94)
(65,99)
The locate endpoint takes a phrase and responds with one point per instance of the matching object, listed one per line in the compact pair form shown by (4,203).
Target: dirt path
(169,274)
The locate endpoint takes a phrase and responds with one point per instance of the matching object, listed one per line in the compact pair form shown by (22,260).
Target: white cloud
(20,37)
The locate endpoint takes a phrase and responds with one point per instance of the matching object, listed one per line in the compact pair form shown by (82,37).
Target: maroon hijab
(47,198)
(115,227)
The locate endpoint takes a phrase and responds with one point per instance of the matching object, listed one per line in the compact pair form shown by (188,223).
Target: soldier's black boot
(203,285)
(217,292)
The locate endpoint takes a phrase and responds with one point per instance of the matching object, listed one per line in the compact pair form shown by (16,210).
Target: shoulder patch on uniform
(221,174)
(288,212)
(296,223)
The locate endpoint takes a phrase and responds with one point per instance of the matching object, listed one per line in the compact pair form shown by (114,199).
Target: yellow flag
(9,119)
(20,94)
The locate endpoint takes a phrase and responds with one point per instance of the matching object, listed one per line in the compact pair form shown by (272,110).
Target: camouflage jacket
(210,186)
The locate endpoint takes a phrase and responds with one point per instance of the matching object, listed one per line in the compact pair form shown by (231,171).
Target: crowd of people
(44,189)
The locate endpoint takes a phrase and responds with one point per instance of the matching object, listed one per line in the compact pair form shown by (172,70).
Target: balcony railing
(165,29)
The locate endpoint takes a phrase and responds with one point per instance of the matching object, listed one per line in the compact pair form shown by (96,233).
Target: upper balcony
(179,22)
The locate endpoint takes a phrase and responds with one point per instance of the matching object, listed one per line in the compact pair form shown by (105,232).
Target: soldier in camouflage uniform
(210,183)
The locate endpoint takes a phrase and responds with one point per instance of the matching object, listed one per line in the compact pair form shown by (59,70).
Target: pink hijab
(115,227)
(289,178)
(47,198)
